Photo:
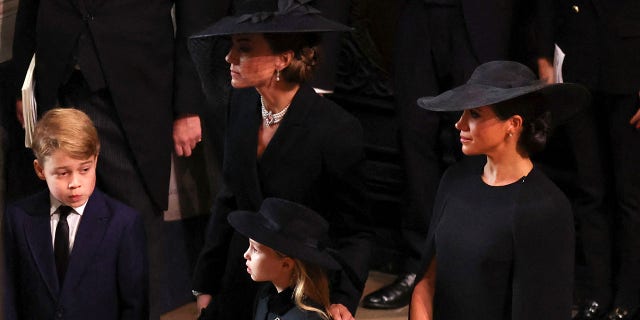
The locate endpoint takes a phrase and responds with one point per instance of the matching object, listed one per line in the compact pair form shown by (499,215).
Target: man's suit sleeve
(192,16)
(24,40)
(212,260)
(544,29)
(343,159)
(9,303)
(133,272)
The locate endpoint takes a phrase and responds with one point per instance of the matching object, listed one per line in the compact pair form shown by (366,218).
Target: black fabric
(61,243)
(621,155)
(429,59)
(314,159)
(502,252)
(601,43)
(273,305)
(281,302)
(573,160)
(133,42)
(601,40)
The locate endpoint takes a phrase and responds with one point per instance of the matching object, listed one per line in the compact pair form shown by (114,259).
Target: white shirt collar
(55,203)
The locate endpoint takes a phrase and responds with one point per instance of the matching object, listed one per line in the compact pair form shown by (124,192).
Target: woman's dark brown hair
(305,53)
(536,120)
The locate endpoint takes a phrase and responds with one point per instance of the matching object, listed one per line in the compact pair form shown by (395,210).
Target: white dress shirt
(73,219)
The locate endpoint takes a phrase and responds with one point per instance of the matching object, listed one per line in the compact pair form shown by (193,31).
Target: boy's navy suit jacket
(107,275)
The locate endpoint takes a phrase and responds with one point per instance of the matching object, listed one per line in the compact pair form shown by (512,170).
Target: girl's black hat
(289,228)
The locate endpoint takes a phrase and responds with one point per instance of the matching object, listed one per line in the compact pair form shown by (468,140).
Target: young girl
(286,248)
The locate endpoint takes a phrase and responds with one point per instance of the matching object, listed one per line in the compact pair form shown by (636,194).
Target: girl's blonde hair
(310,283)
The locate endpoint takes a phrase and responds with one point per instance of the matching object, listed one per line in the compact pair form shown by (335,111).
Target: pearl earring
(277,75)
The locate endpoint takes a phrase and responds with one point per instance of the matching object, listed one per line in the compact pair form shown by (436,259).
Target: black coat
(134,42)
(601,40)
(315,159)
(271,305)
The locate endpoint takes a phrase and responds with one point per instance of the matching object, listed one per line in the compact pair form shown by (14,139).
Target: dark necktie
(61,244)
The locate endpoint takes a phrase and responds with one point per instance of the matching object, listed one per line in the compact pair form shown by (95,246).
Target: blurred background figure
(601,41)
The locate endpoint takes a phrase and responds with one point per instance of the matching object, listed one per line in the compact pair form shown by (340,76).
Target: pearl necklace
(271,118)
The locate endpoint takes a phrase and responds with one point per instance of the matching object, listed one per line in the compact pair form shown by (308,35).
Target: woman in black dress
(285,141)
(501,240)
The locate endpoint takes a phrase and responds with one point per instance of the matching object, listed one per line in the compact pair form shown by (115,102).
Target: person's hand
(186,134)
(19,115)
(545,71)
(202,301)
(635,120)
(340,312)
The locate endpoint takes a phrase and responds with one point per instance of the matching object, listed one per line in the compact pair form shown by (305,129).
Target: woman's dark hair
(536,120)
(305,53)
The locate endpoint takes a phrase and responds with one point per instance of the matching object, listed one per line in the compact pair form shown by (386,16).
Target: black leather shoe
(620,313)
(396,295)
(591,310)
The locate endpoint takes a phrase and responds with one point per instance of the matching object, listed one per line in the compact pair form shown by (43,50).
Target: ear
(284,59)
(39,169)
(288,263)
(515,124)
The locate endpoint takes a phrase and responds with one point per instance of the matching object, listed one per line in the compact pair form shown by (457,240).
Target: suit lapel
(91,231)
(293,127)
(37,230)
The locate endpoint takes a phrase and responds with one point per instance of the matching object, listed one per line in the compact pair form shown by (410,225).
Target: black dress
(502,252)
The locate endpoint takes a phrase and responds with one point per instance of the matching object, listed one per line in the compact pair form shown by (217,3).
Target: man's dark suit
(315,159)
(601,40)
(107,273)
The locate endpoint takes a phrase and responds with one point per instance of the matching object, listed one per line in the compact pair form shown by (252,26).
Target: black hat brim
(276,24)
(563,99)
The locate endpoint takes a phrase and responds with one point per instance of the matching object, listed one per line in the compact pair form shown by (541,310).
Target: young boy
(72,252)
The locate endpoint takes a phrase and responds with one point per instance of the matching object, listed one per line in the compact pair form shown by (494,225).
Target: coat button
(87,17)
(575,8)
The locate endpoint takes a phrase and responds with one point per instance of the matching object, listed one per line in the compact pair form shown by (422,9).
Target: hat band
(307,242)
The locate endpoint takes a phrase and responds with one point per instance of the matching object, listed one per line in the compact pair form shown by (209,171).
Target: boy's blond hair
(66,129)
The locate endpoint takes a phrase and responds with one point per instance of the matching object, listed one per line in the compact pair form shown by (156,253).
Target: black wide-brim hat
(209,46)
(263,16)
(289,228)
(499,81)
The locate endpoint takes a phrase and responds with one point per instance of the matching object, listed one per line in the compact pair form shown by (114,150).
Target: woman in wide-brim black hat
(282,140)
(501,239)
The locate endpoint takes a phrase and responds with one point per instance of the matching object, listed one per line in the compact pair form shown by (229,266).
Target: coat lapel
(91,231)
(242,146)
(293,128)
(37,230)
